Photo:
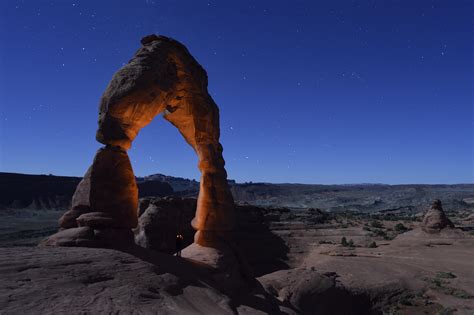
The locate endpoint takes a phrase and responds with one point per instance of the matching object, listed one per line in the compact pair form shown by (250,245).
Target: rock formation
(64,280)
(162,77)
(435,219)
(160,219)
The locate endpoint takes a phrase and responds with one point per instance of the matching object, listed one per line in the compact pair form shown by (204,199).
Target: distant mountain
(181,186)
(178,184)
(356,197)
(36,191)
(55,192)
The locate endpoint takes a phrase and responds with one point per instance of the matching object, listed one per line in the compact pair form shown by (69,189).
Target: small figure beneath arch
(179,244)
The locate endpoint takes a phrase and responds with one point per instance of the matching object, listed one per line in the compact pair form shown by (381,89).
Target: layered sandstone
(435,219)
(162,77)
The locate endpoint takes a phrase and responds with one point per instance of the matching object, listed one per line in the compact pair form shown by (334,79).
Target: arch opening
(160,149)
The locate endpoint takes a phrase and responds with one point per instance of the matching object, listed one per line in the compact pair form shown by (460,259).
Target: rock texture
(435,219)
(162,77)
(104,206)
(414,273)
(310,292)
(107,196)
(59,280)
(162,218)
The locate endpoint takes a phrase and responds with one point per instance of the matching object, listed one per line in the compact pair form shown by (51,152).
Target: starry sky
(309,91)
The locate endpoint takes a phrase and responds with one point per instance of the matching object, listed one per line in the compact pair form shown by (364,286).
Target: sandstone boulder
(161,219)
(106,199)
(311,292)
(108,187)
(225,261)
(435,219)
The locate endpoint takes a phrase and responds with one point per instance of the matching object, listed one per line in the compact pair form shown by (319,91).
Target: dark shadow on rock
(265,251)
(306,291)
(196,274)
(335,301)
(162,218)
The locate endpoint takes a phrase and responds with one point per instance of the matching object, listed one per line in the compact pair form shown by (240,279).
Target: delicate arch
(162,77)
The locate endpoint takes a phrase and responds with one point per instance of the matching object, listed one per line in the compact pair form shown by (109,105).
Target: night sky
(326,92)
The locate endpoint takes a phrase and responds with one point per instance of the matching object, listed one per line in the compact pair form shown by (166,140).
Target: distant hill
(178,184)
(55,192)
(356,197)
(36,191)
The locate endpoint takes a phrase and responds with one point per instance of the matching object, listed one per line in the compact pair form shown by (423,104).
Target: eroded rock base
(86,236)
(224,260)
(104,205)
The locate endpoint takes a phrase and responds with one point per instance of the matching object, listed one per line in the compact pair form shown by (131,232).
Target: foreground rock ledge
(59,280)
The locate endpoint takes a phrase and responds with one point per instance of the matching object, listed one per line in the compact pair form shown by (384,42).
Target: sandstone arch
(162,77)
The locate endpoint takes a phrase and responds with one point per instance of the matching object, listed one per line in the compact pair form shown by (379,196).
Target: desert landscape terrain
(360,94)
(357,258)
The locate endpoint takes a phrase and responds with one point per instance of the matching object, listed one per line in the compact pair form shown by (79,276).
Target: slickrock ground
(104,281)
(386,265)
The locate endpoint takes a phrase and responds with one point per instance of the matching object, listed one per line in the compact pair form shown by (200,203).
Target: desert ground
(305,261)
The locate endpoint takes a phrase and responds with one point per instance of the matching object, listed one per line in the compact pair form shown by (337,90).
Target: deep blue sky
(309,91)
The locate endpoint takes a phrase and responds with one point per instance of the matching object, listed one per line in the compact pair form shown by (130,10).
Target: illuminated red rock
(162,77)
(104,204)
(108,190)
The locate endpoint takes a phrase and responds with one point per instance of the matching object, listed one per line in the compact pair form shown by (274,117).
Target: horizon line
(262,182)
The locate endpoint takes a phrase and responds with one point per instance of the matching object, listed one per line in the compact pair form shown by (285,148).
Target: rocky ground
(59,280)
(399,271)
(305,261)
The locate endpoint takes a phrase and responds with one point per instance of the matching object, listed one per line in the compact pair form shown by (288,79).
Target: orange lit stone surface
(162,77)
